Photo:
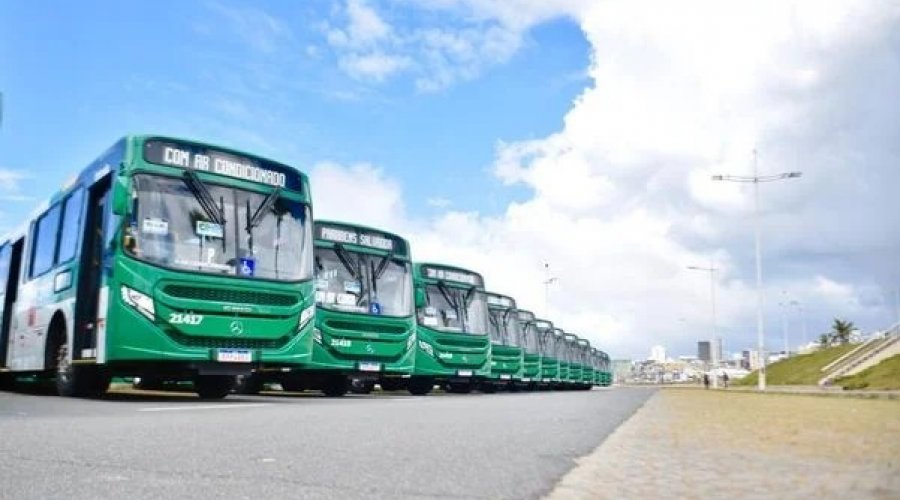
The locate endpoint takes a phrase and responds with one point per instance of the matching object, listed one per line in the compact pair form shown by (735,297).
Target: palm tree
(841,330)
(824,340)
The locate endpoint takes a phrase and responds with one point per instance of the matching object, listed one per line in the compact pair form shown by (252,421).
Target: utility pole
(756,179)
(548,280)
(714,343)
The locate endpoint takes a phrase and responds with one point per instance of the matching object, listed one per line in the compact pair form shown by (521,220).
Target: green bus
(587,369)
(562,355)
(605,370)
(364,322)
(549,357)
(506,344)
(595,365)
(573,374)
(453,347)
(165,259)
(531,345)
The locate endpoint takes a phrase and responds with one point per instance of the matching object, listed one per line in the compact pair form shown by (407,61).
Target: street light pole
(714,354)
(784,323)
(549,280)
(799,307)
(756,179)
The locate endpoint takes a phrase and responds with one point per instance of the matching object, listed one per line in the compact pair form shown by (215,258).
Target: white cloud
(357,193)
(621,198)
(455,43)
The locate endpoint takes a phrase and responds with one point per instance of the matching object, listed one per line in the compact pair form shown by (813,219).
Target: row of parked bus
(170,260)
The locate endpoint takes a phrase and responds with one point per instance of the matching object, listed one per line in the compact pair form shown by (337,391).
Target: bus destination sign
(437,273)
(190,156)
(500,301)
(351,236)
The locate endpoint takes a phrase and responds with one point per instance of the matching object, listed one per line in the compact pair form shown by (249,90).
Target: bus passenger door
(90,274)
(10,263)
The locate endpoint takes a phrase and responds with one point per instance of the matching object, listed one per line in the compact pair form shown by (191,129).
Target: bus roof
(500,301)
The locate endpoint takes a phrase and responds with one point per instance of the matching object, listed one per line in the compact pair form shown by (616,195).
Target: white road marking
(205,407)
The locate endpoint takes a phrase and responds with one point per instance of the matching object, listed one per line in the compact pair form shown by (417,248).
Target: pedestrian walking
(706,380)
(725,379)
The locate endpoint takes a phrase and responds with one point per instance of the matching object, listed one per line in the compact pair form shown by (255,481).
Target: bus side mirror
(420,298)
(121,199)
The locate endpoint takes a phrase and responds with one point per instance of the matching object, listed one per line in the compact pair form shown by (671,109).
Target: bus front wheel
(420,386)
(248,384)
(335,386)
(83,381)
(213,386)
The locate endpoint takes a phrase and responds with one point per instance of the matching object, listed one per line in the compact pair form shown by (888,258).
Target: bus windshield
(453,309)
(530,340)
(216,229)
(362,283)
(504,326)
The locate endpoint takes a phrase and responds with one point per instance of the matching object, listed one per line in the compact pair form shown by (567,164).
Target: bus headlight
(142,303)
(307,314)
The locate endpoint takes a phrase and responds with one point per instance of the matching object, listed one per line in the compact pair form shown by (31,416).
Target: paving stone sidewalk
(714,444)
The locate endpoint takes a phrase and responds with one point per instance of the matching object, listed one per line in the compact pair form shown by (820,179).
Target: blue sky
(218,71)
(500,135)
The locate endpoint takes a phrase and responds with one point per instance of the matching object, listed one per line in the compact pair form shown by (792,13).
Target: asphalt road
(301,446)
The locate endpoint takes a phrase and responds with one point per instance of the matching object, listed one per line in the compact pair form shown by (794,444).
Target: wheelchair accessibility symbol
(248,267)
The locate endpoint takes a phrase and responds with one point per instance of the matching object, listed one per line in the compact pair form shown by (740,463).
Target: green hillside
(804,369)
(883,376)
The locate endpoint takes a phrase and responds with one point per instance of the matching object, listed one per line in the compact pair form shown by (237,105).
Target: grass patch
(883,376)
(804,369)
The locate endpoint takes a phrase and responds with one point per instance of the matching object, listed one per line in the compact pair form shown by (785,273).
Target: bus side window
(43,242)
(71,227)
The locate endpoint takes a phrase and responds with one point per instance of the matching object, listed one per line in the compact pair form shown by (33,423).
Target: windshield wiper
(264,207)
(203,197)
(345,260)
(382,265)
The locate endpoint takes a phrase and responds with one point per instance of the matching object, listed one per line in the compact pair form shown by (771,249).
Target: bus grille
(365,327)
(228,343)
(233,296)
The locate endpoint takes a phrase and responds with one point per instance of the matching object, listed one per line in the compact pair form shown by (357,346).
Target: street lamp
(799,307)
(712,294)
(549,280)
(784,304)
(756,179)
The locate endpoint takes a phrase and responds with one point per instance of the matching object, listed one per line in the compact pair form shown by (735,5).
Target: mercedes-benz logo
(370,349)
(237,328)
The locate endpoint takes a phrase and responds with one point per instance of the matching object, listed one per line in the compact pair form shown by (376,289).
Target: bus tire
(488,387)
(359,386)
(248,384)
(459,388)
(7,382)
(420,386)
(391,384)
(335,386)
(213,386)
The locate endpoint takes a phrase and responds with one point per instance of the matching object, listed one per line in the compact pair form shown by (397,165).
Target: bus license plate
(370,367)
(234,356)
(464,373)
(504,376)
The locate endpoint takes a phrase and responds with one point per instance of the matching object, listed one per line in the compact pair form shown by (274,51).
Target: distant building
(716,350)
(745,360)
(703,351)
(658,354)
